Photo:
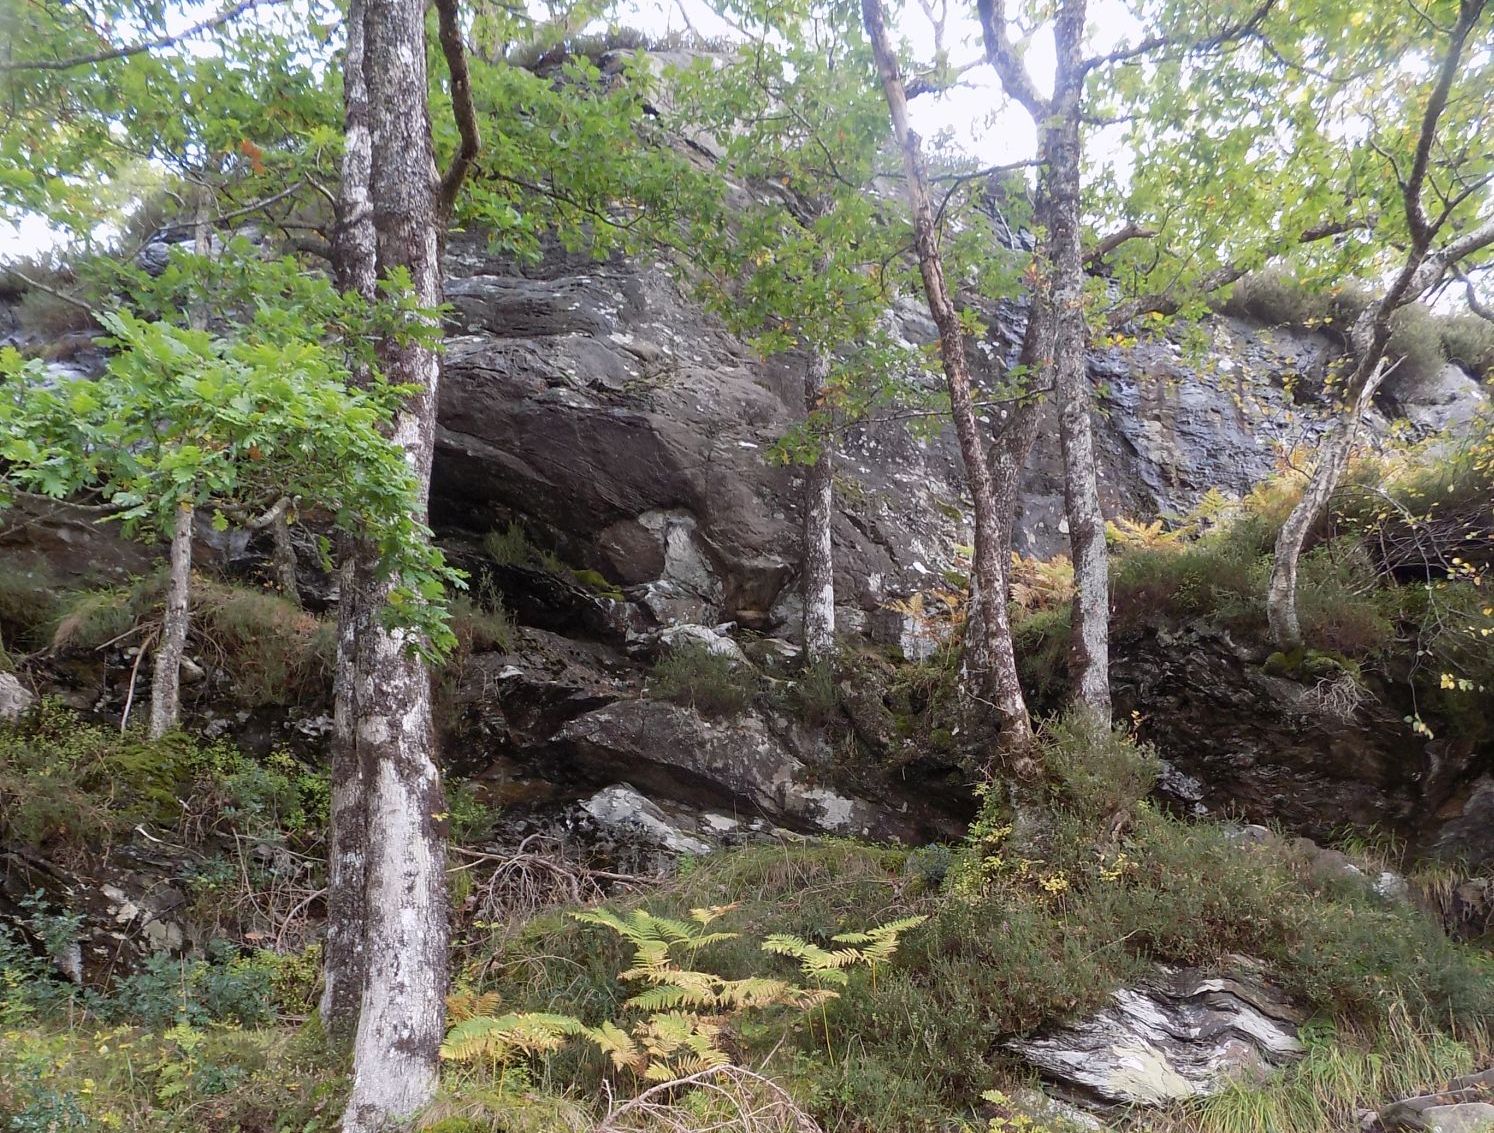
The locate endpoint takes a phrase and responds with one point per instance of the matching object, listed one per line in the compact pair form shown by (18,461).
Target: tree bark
(354,264)
(166,680)
(1333,459)
(402,1020)
(283,558)
(1089,656)
(988,568)
(817,571)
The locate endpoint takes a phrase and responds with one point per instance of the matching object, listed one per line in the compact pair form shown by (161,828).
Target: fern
(498,1038)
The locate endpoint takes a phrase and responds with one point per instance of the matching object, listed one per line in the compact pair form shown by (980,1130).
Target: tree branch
(1475,303)
(1002,55)
(1155,43)
(462,106)
(1420,227)
(110,55)
(1114,240)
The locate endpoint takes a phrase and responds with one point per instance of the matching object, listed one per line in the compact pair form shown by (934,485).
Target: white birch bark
(817,571)
(166,680)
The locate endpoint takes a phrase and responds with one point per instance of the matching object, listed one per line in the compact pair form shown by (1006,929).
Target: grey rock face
(603,407)
(1445,401)
(1240,740)
(1184,1034)
(749,765)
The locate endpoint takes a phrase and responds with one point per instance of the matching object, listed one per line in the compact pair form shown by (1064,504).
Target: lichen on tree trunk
(166,680)
(402,1016)
(817,582)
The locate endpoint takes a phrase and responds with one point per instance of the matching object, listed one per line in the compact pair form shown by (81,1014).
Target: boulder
(749,764)
(1463,1107)
(1183,1034)
(625,809)
(1239,740)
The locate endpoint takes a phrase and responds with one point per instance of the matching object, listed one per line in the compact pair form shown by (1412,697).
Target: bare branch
(1001,53)
(1420,227)
(110,55)
(1475,303)
(462,106)
(1229,34)
(1114,240)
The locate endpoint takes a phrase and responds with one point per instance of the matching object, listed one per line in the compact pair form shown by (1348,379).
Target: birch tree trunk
(817,570)
(283,559)
(988,567)
(166,680)
(1089,657)
(1333,459)
(1423,269)
(402,1019)
(354,264)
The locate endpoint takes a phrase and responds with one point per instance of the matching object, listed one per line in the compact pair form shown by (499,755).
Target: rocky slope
(599,408)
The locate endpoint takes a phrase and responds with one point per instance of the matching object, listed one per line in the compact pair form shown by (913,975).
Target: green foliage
(182,419)
(815,694)
(1340,1075)
(711,683)
(28,597)
(1416,343)
(220,988)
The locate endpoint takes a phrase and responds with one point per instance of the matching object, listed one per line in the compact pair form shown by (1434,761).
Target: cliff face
(615,418)
(598,407)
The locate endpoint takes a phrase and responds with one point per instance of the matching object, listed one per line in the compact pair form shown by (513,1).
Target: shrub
(711,683)
(274,651)
(70,784)
(28,599)
(90,619)
(1416,342)
(1093,769)
(1274,296)
(482,624)
(510,546)
(1468,340)
(816,696)
(221,988)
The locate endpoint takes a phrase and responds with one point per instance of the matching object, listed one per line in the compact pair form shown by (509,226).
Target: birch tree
(989,566)
(1441,183)
(397,857)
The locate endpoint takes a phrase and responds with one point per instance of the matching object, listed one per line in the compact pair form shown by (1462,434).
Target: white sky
(974,117)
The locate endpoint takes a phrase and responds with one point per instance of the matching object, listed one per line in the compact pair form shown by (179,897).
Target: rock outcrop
(1183,1034)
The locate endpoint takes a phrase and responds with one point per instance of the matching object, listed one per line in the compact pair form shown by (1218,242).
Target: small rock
(15,698)
(620,805)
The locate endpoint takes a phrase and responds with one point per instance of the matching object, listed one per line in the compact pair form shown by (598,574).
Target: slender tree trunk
(1423,268)
(989,570)
(354,263)
(166,681)
(1090,642)
(817,580)
(402,1020)
(283,559)
(1334,452)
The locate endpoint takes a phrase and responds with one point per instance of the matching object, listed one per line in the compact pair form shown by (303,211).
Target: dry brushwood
(511,886)
(737,1101)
